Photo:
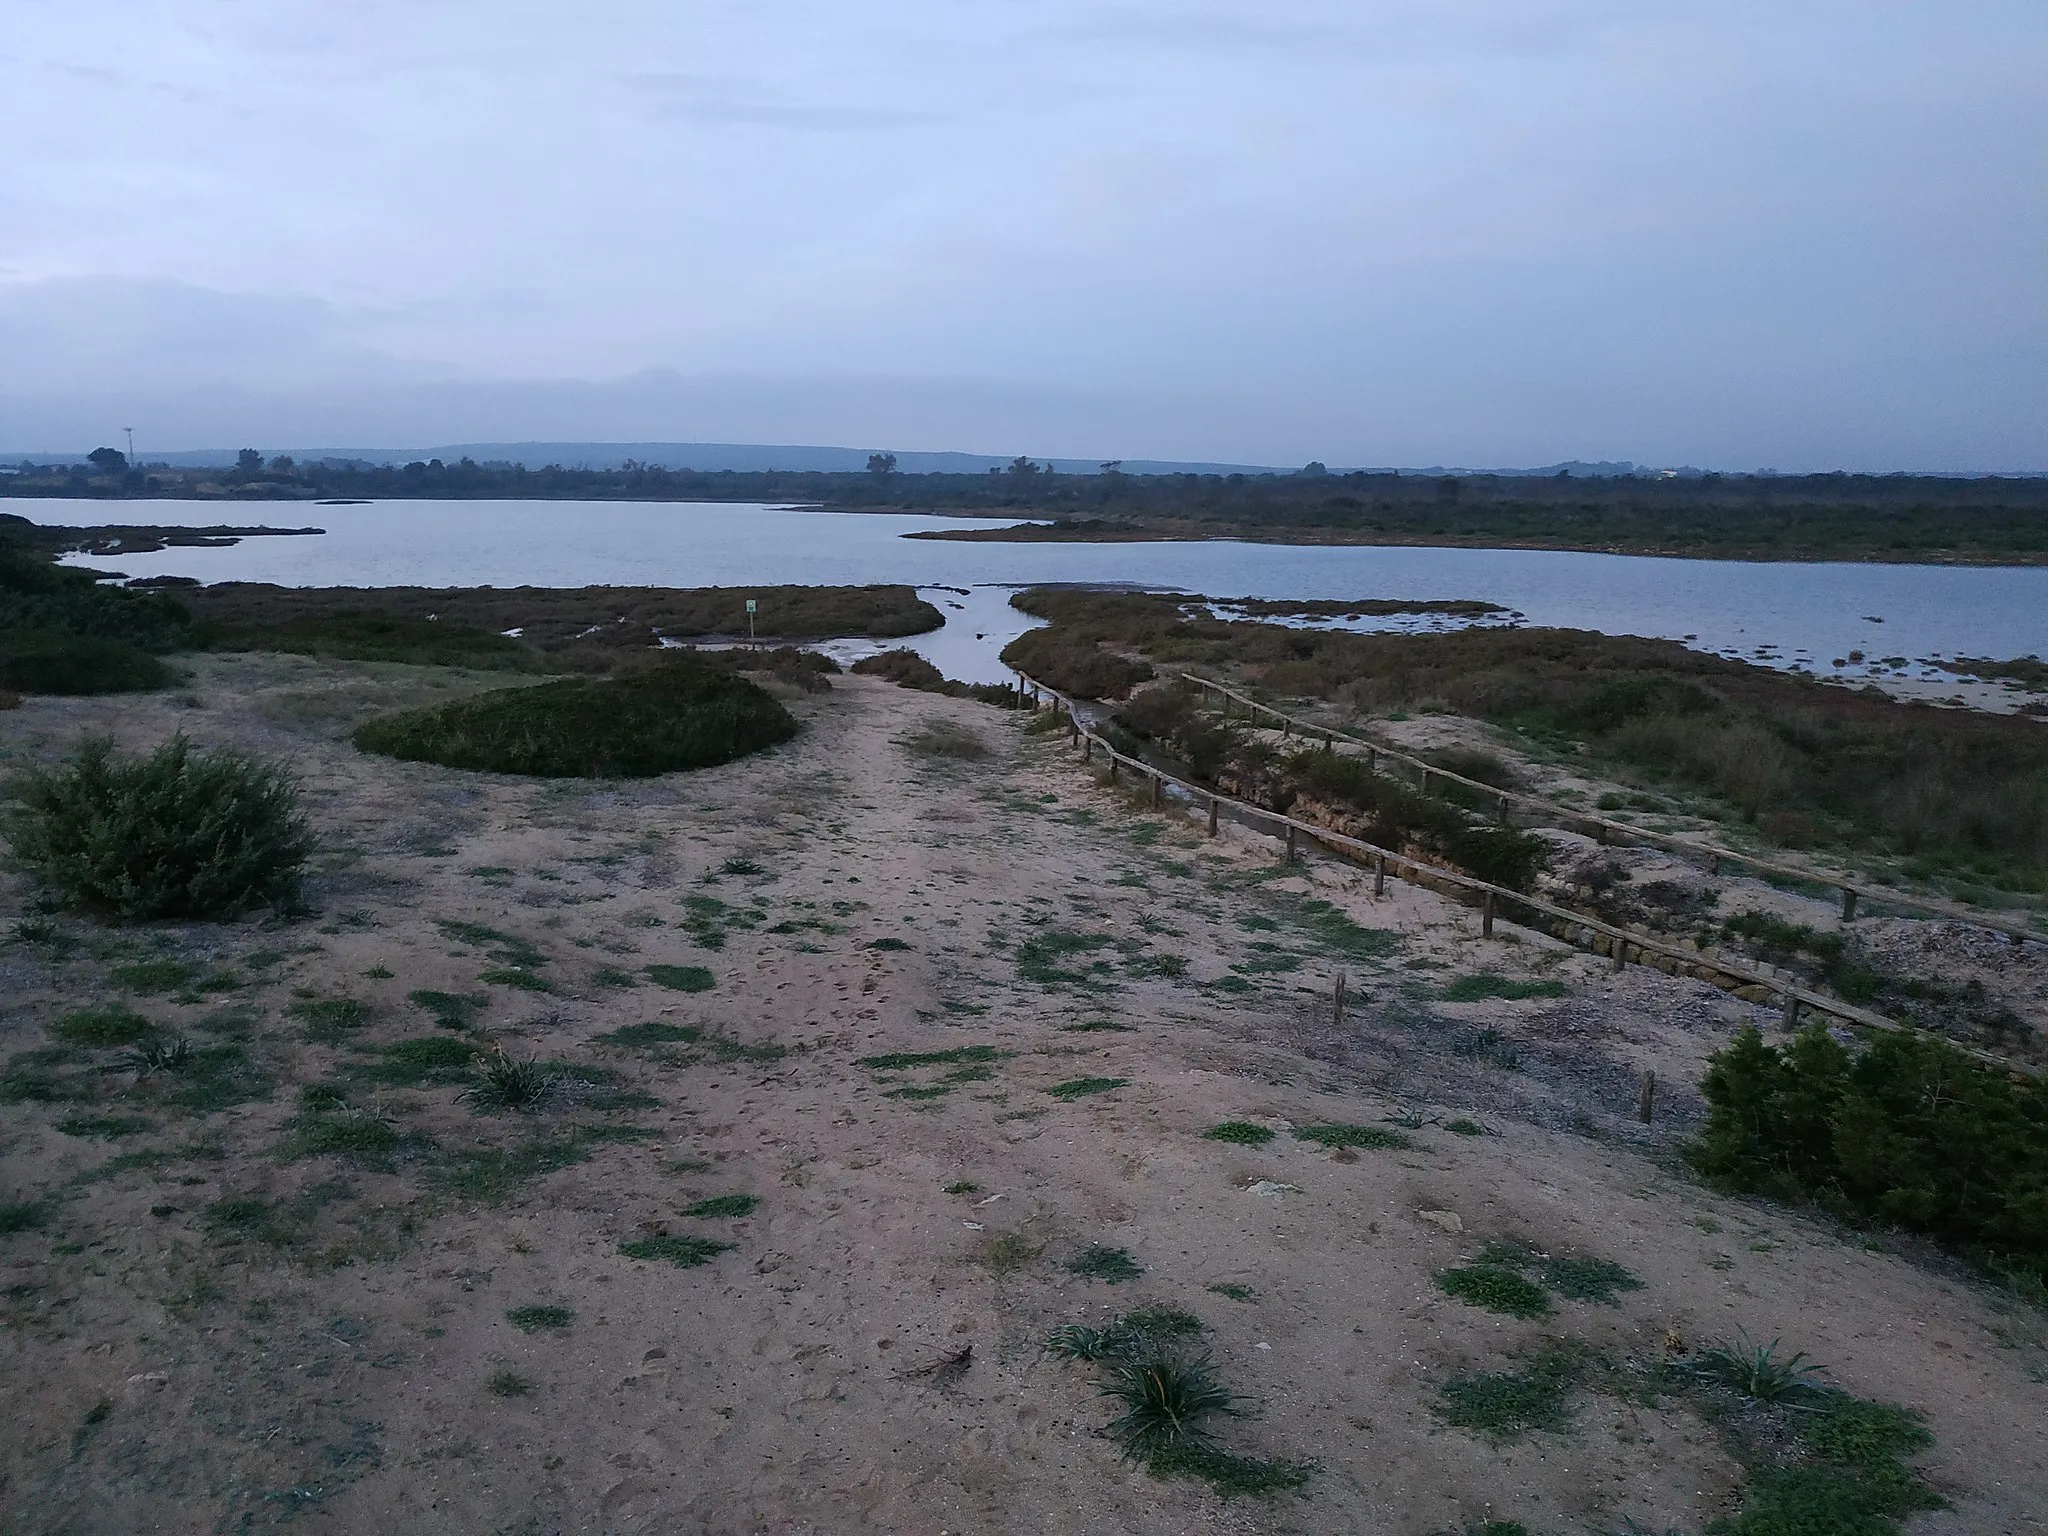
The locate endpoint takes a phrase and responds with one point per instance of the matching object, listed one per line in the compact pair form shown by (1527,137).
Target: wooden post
(1379,876)
(1290,842)
(1088,749)
(1848,905)
(1486,916)
(1503,810)
(1425,781)
(1714,865)
(1791,1010)
(1112,767)
(1372,760)
(1073,730)
(1647,1098)
(1213,804)
(1620,955)
(1158,788)
(1337,1012)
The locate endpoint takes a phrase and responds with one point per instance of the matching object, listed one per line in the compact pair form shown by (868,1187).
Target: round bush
(672,716)
(44,661)
(178,834)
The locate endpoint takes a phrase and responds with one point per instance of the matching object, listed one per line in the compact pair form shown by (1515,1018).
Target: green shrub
(103,1028)
(1241,1133)
(176,834)
(681,978)
(43,661)
(1496,1289)
(683,1252)
(1912,1133)
(380,637)
(672,716)
(1339,1136)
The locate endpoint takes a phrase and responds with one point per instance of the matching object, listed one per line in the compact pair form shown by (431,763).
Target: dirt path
(209,1331)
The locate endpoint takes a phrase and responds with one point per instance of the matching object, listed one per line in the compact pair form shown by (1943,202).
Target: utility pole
(131,445)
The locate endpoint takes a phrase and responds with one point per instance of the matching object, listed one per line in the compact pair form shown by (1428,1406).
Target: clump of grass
(1464,1127)
(151,976)
(508,1384)
(160,1055)
(1166,1404)
(1112,1266)
(1095,1026)
(681,978)
(538,1318)
(329,1019)
(740,865)
(1134,1335)
(1756,1372)
(176,834)
(1599,1280)
(683,1252)
(1337,1135)
(903,1061)
(1242,1133)
(1233,1291)
(730,1206)
(671,716)
(103,1028)
(1082,1087)
(1005,1253)
(411,1063)
(1494,1288)
(1041,957)
(503,1081)
(1505,1405)
(104,1126)
(1483,985)
(358,1137)
(1229,1473)
(943,738)
(963,1187)
(888,943)
(450,1010)
(494,1174)
(22,1216)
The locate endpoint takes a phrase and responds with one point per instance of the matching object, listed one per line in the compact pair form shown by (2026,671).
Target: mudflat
(869,1062)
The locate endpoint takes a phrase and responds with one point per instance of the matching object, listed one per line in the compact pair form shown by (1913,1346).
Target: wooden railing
(1708,854)
(1493,900)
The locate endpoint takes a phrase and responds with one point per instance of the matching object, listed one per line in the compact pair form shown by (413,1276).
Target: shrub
(681,978)
(683,1252)
(380,637)
(534,1318)
(672,716)
(1339,1136)
(1165,1403)
(176,834)
(44,661)
(103,1028)
(1241,1133)
(1496,1289)
(1077,667)
(1912,1133)
(1112,1266)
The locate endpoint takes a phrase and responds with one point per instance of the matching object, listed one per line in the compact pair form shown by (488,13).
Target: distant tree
(1314,469)
(881,465)
(1023,469)
(108,461)
(249,461)
(282,464)
(1112,466)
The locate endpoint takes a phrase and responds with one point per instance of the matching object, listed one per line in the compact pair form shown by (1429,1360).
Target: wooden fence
(1604,830)
(1622,945)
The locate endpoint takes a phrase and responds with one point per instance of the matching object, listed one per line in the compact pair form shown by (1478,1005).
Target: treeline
(1855,516)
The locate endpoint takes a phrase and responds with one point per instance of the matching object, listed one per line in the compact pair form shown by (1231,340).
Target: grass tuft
(681,978)
(1165,1404)
(536,1318)
(1757,1372)
(1505,1405)
(683,1252)
(732,1206)
(1241,1133)
(1112,1266)
(1495,1289)
(1484,985)
(509,1384)
(1335,1136)
(505,1082)
(1082,1087)
(103,1028)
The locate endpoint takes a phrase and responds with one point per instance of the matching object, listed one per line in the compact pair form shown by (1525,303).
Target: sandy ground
(331,1369)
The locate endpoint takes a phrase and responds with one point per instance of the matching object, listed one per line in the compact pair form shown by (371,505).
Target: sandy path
(338,1381)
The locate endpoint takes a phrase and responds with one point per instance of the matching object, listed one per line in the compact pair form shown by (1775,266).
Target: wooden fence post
(1620,955)
(1290,842)
(1088,749)
(1647,1098)
(1372,760)
(1379,876)
(1486,916)
(1791,1010)
(1112,766)
(1337,1012)
(1714,864)
(1158,789)
(1213,805)
(1848,905)
(1503,810)
(1425,781)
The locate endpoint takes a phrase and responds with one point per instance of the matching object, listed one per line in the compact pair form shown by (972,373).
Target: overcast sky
(1473,232)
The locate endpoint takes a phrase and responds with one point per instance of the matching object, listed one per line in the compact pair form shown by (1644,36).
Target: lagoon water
(1783,614)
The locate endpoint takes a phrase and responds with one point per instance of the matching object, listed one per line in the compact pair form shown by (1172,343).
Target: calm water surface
(1790,613)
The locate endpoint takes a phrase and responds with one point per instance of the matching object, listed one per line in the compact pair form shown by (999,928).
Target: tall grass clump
(673,715)
(1911,1133)
(178,833)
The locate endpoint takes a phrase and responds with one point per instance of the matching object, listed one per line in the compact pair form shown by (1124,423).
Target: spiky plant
(1756,1372)
(1165,1402)
(153,1056)
(506,1082)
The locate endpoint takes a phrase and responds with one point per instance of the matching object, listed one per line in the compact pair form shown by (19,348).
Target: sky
(1736,235)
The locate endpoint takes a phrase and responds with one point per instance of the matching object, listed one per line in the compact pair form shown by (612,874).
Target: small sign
(750,605)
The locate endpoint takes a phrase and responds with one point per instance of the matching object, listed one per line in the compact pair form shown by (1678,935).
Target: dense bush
(675,715)
(907,669)
(1912,1133)
(51,661)
(177,834)
(1075,665)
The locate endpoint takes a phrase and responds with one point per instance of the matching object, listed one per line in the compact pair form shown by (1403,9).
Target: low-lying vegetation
(907,669)
(668,717)
(178,833)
